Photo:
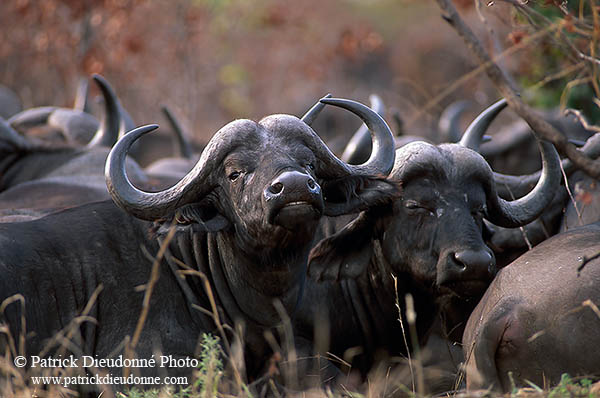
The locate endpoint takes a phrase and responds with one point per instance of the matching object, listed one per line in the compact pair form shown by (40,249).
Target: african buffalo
(539,318)
(37,174)
(26,159)
(428,243)
(74,126)
(237,231)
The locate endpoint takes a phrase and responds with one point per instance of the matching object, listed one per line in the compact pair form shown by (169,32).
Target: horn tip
(142,130)
(150,127)
(104,85)
(98,78)
(330,100)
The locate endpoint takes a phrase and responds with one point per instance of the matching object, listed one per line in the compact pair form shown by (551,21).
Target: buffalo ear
(345,254)
(354,194)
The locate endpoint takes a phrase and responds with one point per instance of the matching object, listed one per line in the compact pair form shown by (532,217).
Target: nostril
(460,261)
(276,188)
(478,259)
(311,184)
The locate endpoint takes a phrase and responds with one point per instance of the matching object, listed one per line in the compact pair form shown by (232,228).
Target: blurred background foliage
(216,60)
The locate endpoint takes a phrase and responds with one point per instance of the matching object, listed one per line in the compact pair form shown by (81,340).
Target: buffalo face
(268,182)
(434,232)
(269,188)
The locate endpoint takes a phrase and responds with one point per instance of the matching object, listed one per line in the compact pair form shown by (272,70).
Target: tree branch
(541,128)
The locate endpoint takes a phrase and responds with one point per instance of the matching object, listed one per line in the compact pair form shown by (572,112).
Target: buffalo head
(268,182)
(434,232)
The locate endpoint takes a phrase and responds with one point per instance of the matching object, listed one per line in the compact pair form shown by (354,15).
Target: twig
(565,39)
(569,86)
(13,347)
(494,37)
(521,228)
(582,120)
(562,169)
(560,74)
(593,46)
(541,128)
(411,317)
(594,307)
(410,367)
(149,288)
(589,58)
(475,72)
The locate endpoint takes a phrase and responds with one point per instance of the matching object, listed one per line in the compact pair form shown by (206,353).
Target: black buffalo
(243,219)
(74,126)
(431,240)
(539,318)
(40,174)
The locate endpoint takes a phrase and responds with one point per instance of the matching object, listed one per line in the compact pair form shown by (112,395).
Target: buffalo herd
(315,271)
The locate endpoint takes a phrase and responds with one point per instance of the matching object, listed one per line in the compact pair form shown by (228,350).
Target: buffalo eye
(234,175)
(411,204)
(310,166)
(414,206)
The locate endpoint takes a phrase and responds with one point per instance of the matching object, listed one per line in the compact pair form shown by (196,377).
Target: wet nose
(468,265)
(474,259)
(292,182)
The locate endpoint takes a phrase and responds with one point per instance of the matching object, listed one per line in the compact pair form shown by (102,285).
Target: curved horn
(449,123)
(76,126)
(359,145)
(526,209)
(31,117)
(11,137)
(146,205)
(474,134)
(194,186)
(519,185)
(81,96)
(311,115)
(381,161)
(184,149)
(108,132)
(518,212)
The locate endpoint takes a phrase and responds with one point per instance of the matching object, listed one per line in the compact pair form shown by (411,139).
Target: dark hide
(535,319)
(247,234)
(20,167)
(46,181)
(421,239)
